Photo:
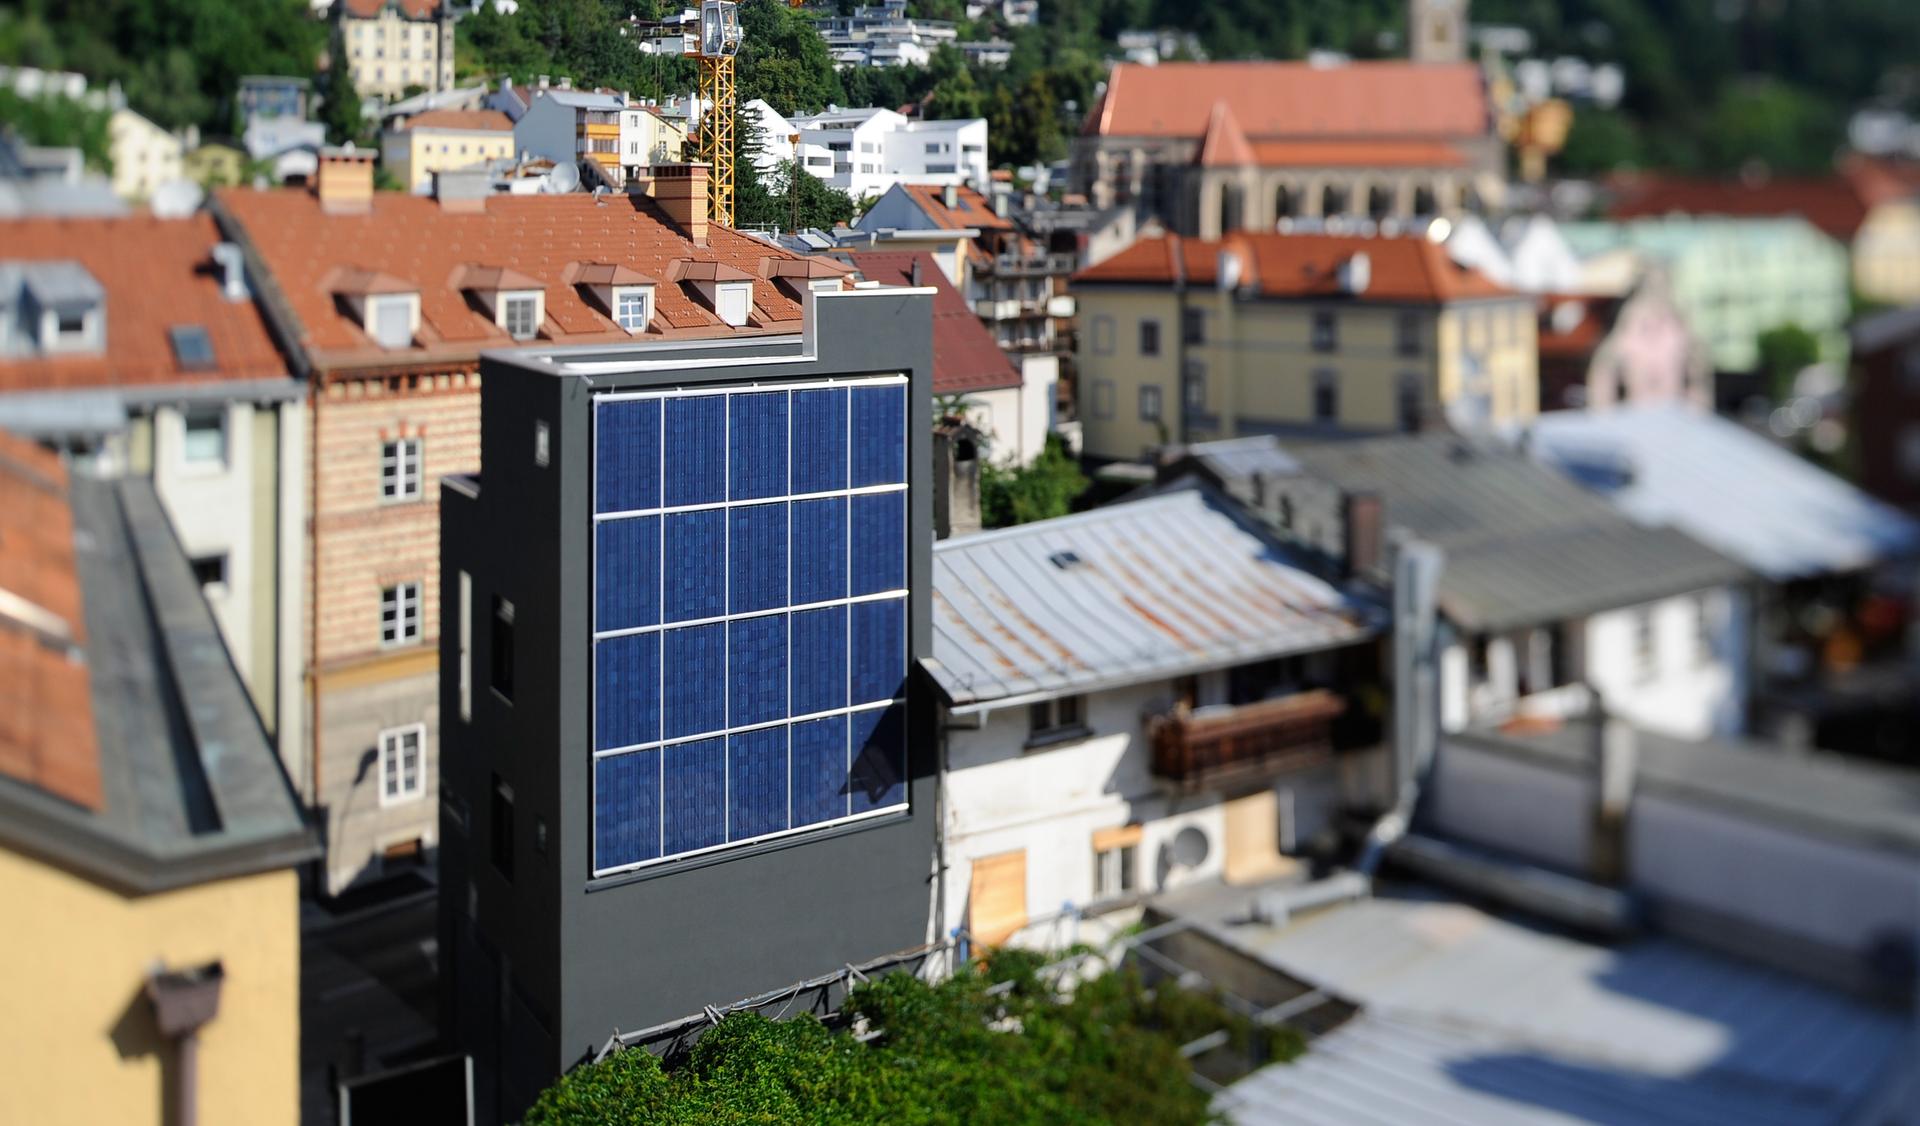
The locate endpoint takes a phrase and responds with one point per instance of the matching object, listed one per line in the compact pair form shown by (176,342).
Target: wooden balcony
(1247,744)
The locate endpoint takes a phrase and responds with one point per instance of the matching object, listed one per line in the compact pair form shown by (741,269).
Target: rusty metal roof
(1172,584)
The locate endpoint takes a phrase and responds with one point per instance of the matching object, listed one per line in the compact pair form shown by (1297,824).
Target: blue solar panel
(696,726)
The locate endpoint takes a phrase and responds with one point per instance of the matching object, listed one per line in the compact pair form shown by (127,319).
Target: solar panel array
(750,614)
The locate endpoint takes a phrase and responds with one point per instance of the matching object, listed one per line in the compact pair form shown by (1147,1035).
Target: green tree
(1039,491)
(1785,351)
(58,121)
(340,108)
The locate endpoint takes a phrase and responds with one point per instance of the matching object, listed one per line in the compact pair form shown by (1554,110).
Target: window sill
(1056,738)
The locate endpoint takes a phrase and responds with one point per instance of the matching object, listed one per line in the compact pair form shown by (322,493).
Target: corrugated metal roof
(1470,1019)
(1164,586)
(1524,545)
(1780,515)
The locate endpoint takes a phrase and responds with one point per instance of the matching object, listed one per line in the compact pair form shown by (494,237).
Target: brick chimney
(956,479)
(681,192)
(1364,536)
(344,181)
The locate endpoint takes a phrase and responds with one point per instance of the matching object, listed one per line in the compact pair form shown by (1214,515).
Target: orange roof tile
(1364,154)
(1224,145)
(1295,99)
(412,9)
(47,736)
(971,209)
(1401,268)
(491,278)
(611,273)
(476,120)
(1836,204)
(157,274)
(557,239)
(965,357)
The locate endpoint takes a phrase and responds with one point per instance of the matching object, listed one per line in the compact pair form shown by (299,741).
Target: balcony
(990,310)
(1222,746)
(1015,265)
(1060,305)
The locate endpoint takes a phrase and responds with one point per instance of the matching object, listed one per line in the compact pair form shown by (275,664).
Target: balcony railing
(1050,263)
(1221,746)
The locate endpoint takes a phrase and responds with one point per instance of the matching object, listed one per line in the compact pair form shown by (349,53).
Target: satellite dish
(563,179)
(1189,848)
(175,199)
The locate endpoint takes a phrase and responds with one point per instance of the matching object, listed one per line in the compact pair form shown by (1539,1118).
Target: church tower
(1437,31)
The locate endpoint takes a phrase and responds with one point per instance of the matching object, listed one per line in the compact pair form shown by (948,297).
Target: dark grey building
(684,762)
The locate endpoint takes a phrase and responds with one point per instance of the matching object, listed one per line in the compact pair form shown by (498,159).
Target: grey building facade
(581,896)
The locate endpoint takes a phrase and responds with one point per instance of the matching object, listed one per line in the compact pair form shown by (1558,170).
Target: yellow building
(647,138)
(442,140)
(392,45)
(1185,340)
(144,155)
(151,961)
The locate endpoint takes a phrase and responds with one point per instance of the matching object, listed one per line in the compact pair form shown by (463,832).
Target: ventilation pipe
(1416,696)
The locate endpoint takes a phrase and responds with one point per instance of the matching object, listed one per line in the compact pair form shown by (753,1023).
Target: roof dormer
(797,276)
(621,292)
(517,303)
(57,309)
(388,308)
(727,290)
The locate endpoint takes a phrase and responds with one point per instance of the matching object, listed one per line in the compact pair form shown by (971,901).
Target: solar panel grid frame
(865,491)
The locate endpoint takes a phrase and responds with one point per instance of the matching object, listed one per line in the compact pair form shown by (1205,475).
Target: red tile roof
(1357,154)
(1401,268)
(563,241)
(1384,99)
(412,9)
(483,120)
(47,736)
(965,357)
(971,209)
(1837,203)
(157,274)
(1224,144)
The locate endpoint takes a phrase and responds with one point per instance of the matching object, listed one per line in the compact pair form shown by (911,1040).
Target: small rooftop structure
(1776,513)
(1172,584)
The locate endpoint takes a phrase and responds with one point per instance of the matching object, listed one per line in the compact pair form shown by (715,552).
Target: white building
(1527,253)
(570,126)
(144,155)
(884,35)
(1547,593)
(863,152)
(1137,697)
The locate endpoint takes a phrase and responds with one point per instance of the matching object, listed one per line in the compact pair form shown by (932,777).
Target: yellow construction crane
(718,43)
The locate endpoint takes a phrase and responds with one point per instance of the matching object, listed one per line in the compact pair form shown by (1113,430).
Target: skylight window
(192,348)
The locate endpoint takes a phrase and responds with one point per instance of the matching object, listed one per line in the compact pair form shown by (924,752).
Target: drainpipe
(183,1002)
(1416,696)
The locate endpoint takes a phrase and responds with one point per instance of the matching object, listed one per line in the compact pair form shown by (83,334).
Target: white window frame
(644,294)
(390,743)
(1150,393)
(401,468)
(204,462)
(1116,872)
(511,300)
(374,305)
(733,301)
(405,603)
(1644,645)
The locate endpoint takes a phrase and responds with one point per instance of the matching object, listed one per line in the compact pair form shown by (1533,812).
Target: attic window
(1065,560)
(733,302)
(520,314)
(390,321)
(633,307)
(192,349)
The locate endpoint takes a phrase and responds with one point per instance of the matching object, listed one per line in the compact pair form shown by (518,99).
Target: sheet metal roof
(1164,586)
(1780,515)
(1469,1019)
(1524,545)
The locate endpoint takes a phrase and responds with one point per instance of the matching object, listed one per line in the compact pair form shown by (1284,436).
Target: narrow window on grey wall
(1196,386)
(501,647)
(1149,338)
(1407,402)
(1150,403)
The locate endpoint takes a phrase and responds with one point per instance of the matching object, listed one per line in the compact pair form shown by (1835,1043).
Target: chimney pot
(681,192)
(344,181)
(1364,538)
(950,196)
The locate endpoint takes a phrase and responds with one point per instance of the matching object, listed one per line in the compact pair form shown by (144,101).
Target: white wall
(1491,799)
(211,507)
(1016,419)
(547,130)
(887,149)
(1687,694)
(1050,802)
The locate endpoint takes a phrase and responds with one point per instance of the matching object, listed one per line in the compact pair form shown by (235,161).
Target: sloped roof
(553,238)
(1402,267)
(971,209)
(157,274)
(1172,584)
(965,357)
(483,120)
(1778,514)
(1524,545)
(412,9)
(1271,100)
(46,711)
(1836,203)
(1357,154)
(1223,145)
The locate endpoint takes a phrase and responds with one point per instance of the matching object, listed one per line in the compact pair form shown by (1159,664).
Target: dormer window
(621,292)
(387,307)
(516,301)
(735,302)
(58,306)
(727,290)
(633,307)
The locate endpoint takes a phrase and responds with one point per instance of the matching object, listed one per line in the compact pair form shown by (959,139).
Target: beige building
(1215,147)
(648,138)
(442,140)
(1185,340)
(144,155)
(391,45)
(147,833)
